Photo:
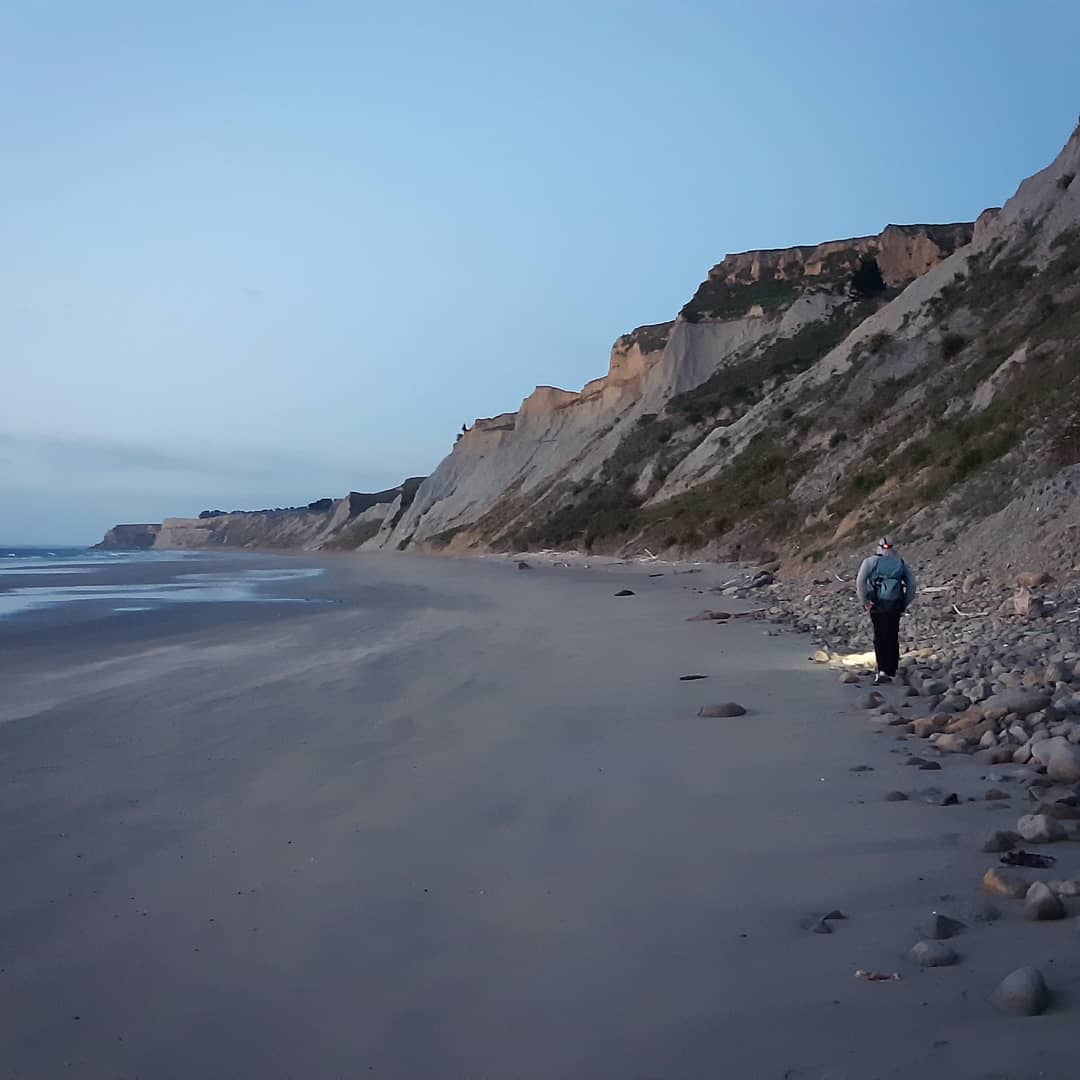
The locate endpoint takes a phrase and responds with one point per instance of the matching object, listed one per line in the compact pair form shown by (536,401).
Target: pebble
(625,592)
(895,796)
(933,954)
(995,793)
(1022,993)
(725,708)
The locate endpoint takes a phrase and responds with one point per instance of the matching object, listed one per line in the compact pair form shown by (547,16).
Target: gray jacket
(866,575)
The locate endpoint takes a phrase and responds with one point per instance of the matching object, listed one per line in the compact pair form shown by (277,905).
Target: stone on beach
(997,841)
(870,700)
(1023,993)
(709,616)
(895,796)
(1040,829)
(725,708)
(1064,764)
(625,592)
(1000,881)
(939,927)
(933,954)
(1041,905)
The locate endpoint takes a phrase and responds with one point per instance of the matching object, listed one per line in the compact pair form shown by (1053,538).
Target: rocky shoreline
(990,675)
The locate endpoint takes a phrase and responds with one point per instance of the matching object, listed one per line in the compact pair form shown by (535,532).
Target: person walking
(886,587)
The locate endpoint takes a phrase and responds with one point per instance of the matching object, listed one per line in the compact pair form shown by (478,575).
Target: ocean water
(129,582)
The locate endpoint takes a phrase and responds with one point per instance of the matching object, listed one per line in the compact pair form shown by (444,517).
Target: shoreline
(480,830)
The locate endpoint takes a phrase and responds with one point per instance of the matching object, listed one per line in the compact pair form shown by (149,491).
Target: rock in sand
(1023,993)
(1000,881)
(999,840)
(939,927)
(933,954)
(1040,829)
(725,708)
(1041,905)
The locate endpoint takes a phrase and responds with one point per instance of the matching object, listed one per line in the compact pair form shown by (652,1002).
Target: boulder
(1021,702)
(1040,829)
(1032,579)
(1043,749)
(933,954)
(952,744)
(999,840)
(1022,993)
(1064,764)
(1041,905)
(1026,604)
(1000,881)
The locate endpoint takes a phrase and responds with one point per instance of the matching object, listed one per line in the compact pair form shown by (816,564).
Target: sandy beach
(453,819)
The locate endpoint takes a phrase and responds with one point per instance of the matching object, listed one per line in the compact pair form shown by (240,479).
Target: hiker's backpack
(887,584)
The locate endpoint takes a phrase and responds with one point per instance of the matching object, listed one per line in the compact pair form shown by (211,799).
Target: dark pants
(886,640)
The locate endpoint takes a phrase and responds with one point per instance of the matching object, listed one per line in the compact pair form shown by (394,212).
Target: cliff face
(922,379)
(561,448)
(344,523)
(129,538)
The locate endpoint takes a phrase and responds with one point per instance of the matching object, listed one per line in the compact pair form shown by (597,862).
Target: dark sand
(466,824)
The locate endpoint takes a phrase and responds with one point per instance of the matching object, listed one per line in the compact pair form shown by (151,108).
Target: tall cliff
(926,378)
(575,467)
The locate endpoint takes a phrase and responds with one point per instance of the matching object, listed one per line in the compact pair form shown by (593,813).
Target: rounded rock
(1000,881)
(1041,905)
(1022,993)
(933,954)
(1040,829)
(725,708)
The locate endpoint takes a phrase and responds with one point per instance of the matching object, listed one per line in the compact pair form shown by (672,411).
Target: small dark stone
(861,768)
(691,678)
(914,760)
(625,592)
(834,914)
(939,927)
(726,708)
(951,800)
(522,565)
(895,796)
(930,766)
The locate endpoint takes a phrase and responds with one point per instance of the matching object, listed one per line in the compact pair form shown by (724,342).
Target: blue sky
(256,253)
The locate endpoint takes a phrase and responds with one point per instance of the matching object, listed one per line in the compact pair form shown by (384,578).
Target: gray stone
(1043,749)
(933,954)
(997,841)
(850,678)
(939,927)
(1040,829)
(896,796)
(1064,764)
(725,708)
(870,701)
(1041,905)
(1022,702)
(1023,993)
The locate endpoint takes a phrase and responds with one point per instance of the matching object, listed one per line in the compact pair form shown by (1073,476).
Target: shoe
(881,678)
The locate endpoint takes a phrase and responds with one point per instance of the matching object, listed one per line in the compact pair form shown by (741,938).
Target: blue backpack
(887,584)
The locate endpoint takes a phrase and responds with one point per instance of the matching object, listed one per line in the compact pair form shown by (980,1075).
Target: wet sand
(463,822)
